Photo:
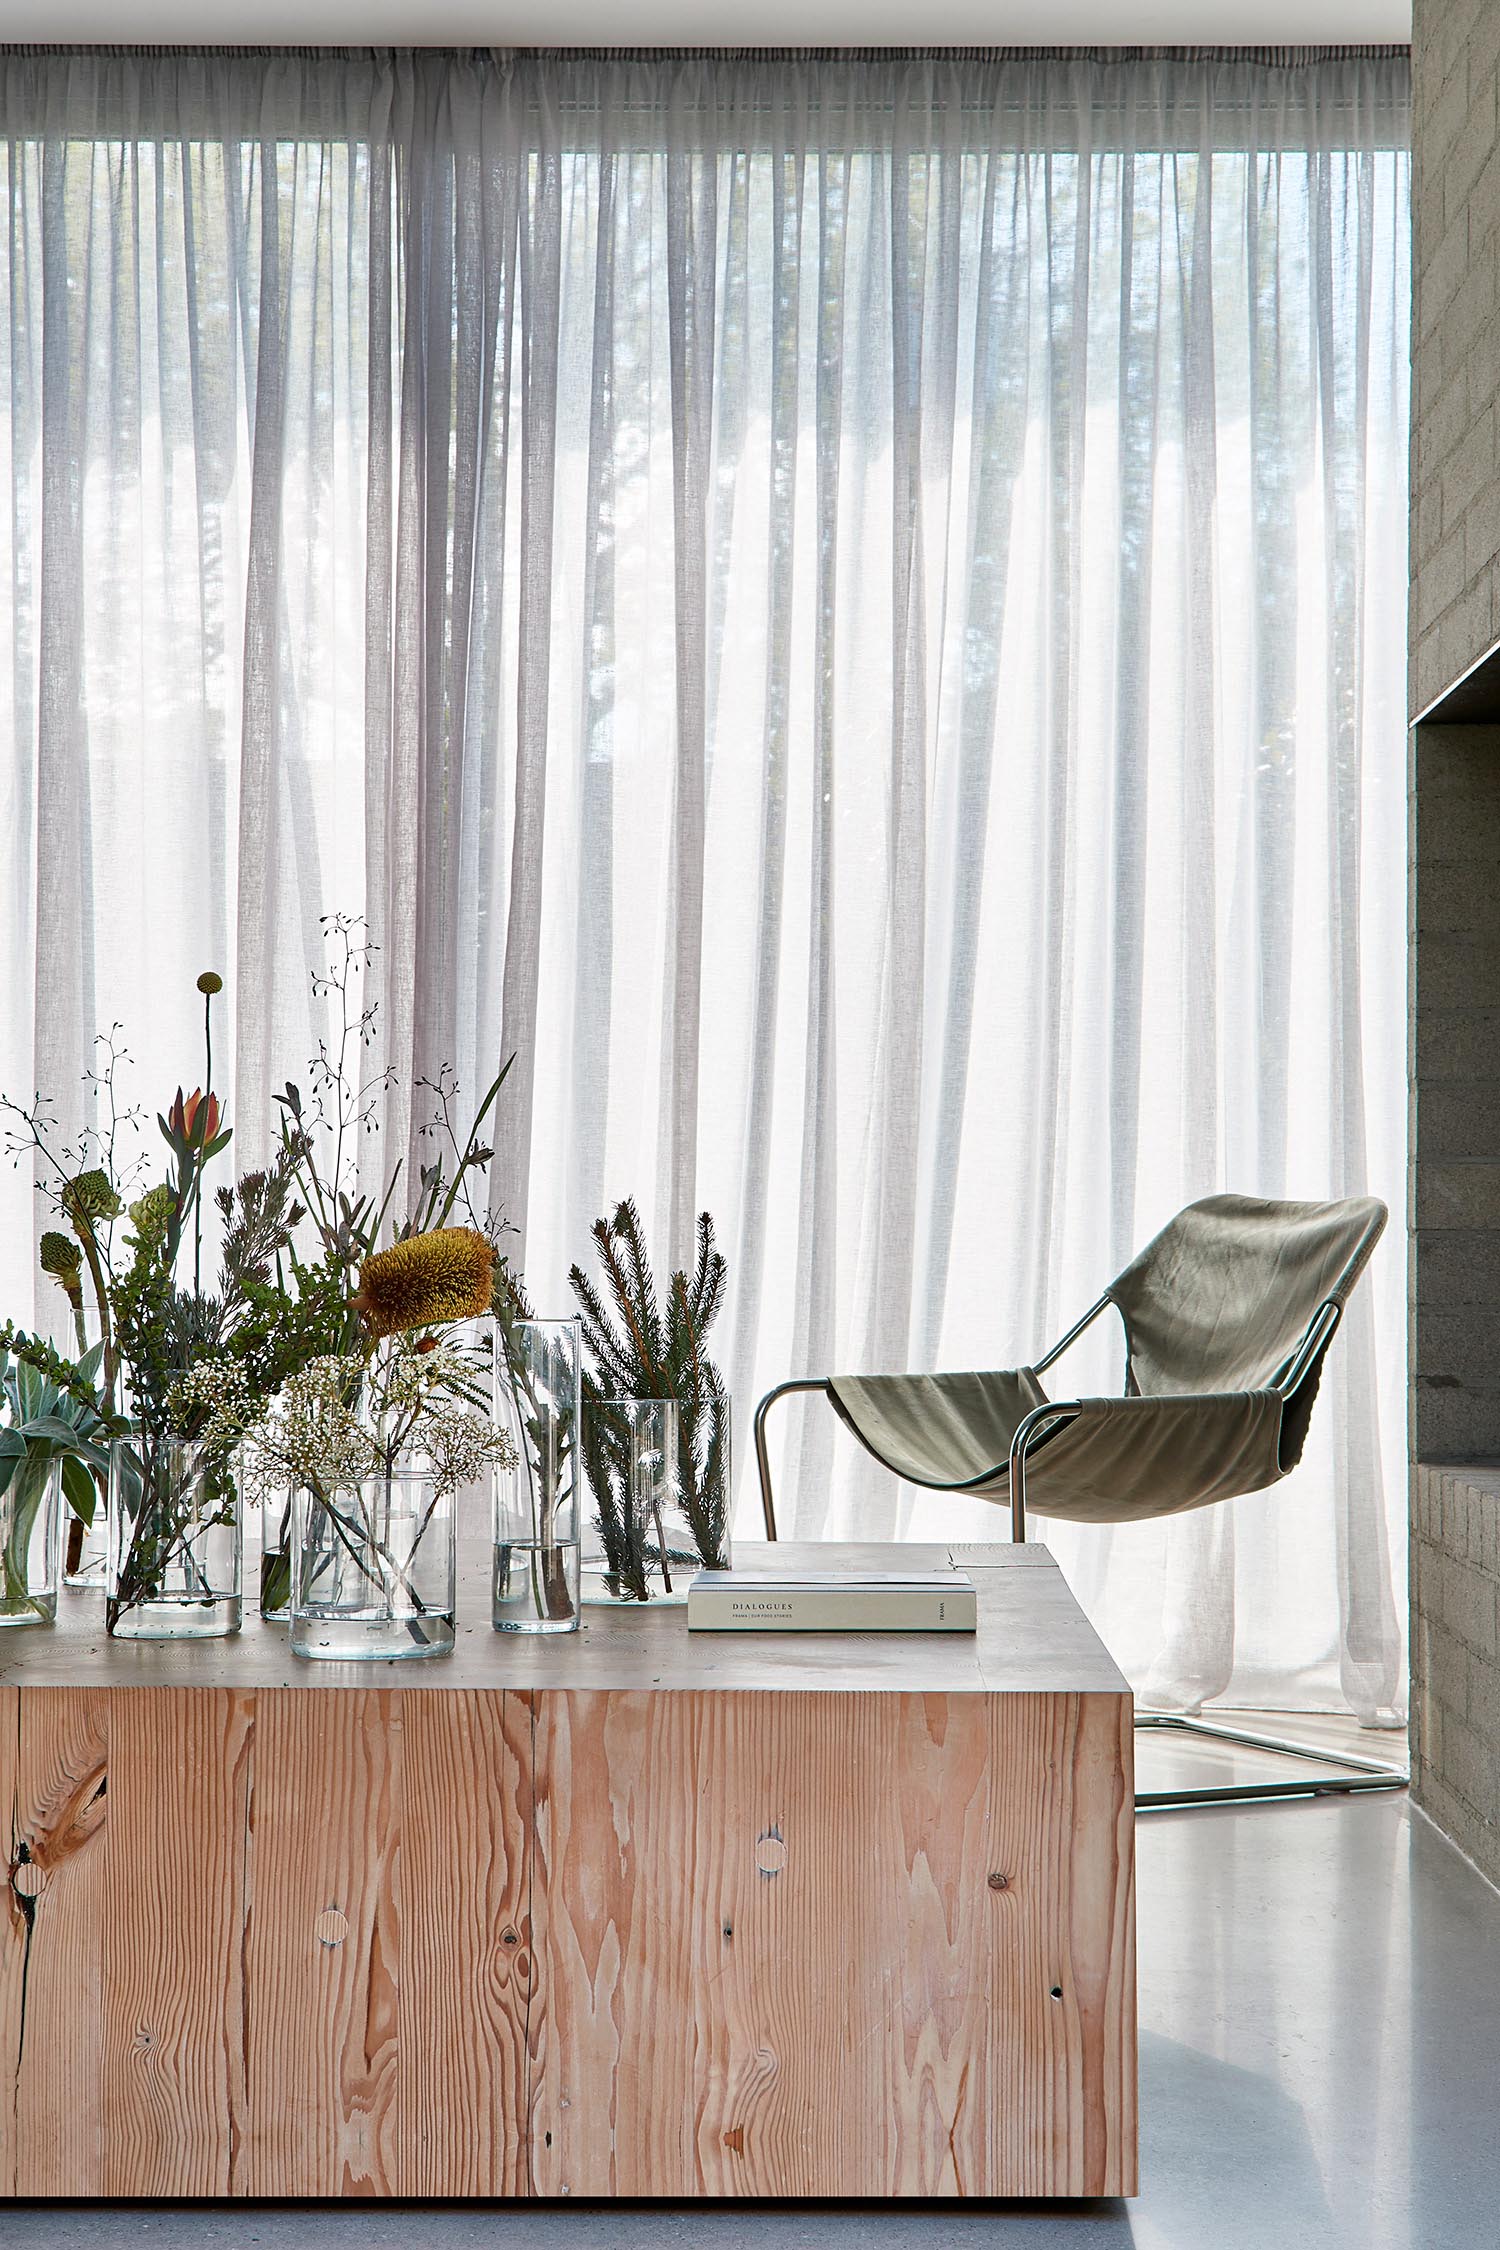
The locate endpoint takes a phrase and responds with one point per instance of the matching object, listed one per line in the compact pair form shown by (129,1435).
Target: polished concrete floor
(1320,2066)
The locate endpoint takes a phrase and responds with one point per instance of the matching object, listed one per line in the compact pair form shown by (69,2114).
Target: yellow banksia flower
(444,1275)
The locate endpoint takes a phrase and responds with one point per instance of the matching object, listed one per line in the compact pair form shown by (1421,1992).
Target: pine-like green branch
(645,1349)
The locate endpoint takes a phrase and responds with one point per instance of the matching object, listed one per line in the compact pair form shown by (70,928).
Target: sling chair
(1228,1314)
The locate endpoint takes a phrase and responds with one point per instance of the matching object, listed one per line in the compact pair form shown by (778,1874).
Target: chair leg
(1364,1774)
(762,1456)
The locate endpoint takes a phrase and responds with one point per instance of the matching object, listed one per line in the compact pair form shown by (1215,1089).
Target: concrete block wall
(1455,1194)
(1455,458)
(1455,1655)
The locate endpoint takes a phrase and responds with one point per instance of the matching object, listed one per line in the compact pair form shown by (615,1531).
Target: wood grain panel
(174,1887)
(61,1823)
(467,1965)
(1100,1991)
(843,2028)
(612,2027)
(13,1937)
(638,1915)
(323,1945)
(1062,1834)
(938,1933)
(774,1964)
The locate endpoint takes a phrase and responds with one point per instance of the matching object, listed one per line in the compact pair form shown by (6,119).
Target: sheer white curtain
(847,611)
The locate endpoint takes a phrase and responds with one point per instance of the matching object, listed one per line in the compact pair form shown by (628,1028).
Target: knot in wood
(770,1852)
(510,1937)
(999,1882)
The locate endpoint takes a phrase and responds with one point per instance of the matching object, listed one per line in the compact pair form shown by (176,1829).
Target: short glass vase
(30,1522)
(174,1541)
(372,1569)
(634,1548)
(658,1493)
(535,1576)
(86,1550)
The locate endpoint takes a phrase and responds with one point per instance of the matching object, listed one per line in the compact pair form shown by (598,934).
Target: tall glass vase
(372,1568)
(174,1541)
(30,1511)
(75,1332)
(276,1554)
(86,1549)
(537,1514)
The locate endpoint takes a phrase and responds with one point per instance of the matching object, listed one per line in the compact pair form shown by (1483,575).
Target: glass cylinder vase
(275,1582)
(76,1332)
(174,1541)
(534,1587)
(703,1484)
(372,1569)
(86,1549)
(30,1516)
(634,1549)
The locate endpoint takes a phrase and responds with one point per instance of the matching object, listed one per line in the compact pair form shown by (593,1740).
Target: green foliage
(52,1421)
(282,1327)
(272,1312)
(77,1379)
(261,1214)
(639,1348)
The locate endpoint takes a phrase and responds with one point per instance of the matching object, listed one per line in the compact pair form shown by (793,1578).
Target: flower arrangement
(316,1355)
(298,1334)
(394,1382)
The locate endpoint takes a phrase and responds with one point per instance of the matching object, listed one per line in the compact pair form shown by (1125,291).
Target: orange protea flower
(444,1275)
(183,1115)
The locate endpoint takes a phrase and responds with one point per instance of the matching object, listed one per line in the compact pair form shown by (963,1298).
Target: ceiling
(833,23)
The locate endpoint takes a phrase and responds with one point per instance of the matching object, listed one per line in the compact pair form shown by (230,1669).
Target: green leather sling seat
(1228,1314)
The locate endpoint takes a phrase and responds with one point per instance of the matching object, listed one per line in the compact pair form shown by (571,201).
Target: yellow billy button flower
(444,1275)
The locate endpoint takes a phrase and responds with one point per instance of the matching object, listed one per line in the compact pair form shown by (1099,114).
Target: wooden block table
(622,1913)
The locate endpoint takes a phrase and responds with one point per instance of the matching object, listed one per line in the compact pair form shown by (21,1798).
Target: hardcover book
(832,1601)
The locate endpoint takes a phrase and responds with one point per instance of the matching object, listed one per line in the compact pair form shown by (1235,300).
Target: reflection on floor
(1320,2049)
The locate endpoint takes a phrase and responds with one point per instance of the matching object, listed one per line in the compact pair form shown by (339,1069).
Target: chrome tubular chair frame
(1355,1776)
(1365,1774)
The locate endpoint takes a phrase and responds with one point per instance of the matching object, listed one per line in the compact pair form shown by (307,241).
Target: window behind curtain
(850,612)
